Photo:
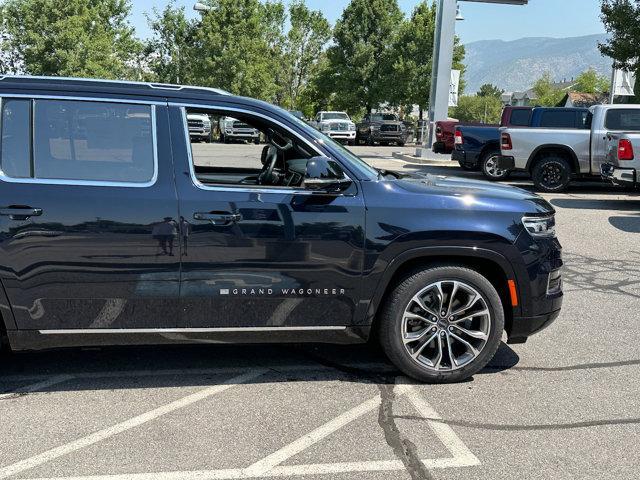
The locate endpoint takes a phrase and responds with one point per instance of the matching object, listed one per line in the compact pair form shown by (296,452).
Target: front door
(88,215)
(258,249)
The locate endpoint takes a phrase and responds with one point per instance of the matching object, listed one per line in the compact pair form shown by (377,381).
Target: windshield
(335,116)
(356,162)
(384,117)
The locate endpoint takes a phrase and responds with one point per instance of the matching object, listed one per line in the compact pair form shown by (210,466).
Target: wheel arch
(493,265)
(563,150)
(492,145)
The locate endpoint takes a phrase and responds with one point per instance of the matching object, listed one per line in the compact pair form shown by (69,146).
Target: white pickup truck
(553,157)
(337,125)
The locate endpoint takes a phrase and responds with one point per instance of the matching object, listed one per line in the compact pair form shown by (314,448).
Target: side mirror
(324,174)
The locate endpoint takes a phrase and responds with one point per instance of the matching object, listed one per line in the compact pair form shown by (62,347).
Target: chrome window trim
(190,330)
(157,86)
(89,183)
(244,188)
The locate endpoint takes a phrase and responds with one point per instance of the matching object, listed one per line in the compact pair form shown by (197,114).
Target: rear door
(88,214)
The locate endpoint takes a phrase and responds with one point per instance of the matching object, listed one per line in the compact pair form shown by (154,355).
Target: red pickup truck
(445,130)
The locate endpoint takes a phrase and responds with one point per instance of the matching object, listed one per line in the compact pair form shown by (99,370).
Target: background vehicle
(337,125)
(382,128)
(224,244)
(200,127)
(554,156)
(232,129)
(623,157)
(445,132)
(478,146)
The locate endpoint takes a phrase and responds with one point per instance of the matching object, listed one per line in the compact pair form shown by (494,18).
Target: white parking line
(271,467)
(96,437)
(49,382)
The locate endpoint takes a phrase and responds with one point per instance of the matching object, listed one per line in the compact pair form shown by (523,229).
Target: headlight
(540,226)
(352,127)
(375,127)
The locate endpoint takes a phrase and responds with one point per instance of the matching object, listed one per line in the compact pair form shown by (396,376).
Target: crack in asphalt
(402,447)
(541,427)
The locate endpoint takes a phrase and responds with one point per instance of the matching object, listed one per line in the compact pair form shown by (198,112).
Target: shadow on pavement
(168,366)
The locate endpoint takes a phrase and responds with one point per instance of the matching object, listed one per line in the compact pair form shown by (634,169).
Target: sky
(483,21)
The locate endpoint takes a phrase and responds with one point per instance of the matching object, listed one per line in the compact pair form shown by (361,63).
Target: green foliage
(359,59)
(487,109)
(490,90)
(547,95)
(303,47)
(590,82)
(234,49)
(170,49)
(69,38)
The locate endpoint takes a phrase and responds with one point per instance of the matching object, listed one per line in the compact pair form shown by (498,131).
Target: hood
(337,121)
(455,192)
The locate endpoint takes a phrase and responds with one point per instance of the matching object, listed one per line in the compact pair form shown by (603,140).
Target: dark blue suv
(116,229)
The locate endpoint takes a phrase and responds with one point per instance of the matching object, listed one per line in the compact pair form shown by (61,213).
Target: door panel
(96,256)
(259,258)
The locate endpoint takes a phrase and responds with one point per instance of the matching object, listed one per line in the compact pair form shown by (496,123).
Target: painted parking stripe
(134,422)
(42,385)
(270,466)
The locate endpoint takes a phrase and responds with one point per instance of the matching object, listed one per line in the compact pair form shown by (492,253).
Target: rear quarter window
(627,120)
(16,138)
(520,118)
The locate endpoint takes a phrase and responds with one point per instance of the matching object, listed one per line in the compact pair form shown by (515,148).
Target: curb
(424,161)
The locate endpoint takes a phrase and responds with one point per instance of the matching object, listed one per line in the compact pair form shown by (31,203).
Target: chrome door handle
(218,218)
(20,213)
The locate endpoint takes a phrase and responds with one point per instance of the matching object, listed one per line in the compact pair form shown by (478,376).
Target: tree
(69,38)
(590,82)
(486,109)
(359,57)
(411,59)
(490,90)
(234,49)
(547,95)
(170,49)
(621,20)
(308,34)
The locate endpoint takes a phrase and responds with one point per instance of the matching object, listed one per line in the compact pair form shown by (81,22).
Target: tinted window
(623,119)
(16,138)
(93,141)
(558,119)
(520,118)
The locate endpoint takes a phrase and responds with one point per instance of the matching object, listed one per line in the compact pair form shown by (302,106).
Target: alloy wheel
(446,325)
(492,169)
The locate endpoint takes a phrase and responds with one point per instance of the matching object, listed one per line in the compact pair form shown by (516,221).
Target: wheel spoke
(415,336)
(473,333)
(454,291)
(469,317)
(440,296)
(465,343)
(473,299)
(416,353)
(423,305)
(454,362)
(415,316)
(438,360)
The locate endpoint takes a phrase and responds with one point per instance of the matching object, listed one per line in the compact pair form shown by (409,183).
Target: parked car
(199,127)
(132,237)
(234,130)
(445,133)
(477,147)
(554,156)
(623,138)
(337,125)
(382,128)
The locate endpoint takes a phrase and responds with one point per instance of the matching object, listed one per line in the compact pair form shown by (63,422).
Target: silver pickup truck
(623,163)
(553,157)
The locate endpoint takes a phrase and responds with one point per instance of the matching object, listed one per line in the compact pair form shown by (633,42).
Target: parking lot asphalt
(563,406)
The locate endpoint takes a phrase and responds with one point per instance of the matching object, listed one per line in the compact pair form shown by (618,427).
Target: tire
(370,141)
(425,367)
(401,144)
(256,141)
(551,174)
(351,143)
(490,169)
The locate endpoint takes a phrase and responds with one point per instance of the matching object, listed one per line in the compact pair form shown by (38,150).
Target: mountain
(516,65)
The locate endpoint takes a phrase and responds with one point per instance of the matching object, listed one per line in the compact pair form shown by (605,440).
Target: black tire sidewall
(391,320)
(536,174)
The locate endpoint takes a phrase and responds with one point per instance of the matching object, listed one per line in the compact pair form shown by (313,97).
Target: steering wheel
(276,144)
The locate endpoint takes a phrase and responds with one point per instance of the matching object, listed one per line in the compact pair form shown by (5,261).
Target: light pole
(446,15)
(201,7)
